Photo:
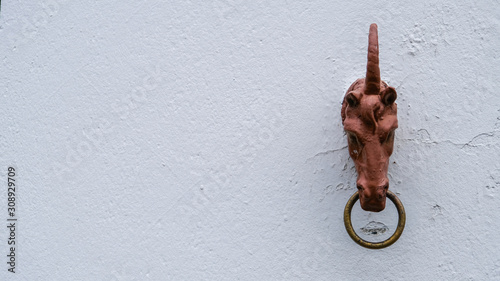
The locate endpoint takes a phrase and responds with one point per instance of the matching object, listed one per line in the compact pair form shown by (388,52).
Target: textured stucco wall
(202,140)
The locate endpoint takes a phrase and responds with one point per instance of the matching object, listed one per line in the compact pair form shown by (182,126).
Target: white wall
(203,141)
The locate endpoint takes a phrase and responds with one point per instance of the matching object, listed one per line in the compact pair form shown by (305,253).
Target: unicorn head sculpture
(369,116)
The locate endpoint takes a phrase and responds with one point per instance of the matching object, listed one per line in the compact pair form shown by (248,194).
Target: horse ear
(352,99)
(388,96)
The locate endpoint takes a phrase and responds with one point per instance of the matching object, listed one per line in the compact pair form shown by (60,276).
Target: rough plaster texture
(202,140)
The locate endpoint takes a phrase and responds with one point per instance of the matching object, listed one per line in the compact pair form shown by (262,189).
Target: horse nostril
(382,191)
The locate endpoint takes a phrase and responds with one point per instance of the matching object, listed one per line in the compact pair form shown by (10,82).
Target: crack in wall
(461,145)
(322,153)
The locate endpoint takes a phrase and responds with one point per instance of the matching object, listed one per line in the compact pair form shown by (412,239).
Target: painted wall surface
(202,140)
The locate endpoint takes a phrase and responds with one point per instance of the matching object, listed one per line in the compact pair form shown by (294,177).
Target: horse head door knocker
(369,115)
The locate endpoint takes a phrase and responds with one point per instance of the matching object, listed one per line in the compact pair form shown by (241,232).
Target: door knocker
(369,116)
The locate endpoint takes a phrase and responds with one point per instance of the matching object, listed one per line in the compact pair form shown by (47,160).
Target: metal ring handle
(375,245)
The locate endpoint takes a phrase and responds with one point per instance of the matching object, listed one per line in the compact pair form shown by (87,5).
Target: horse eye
(390,135)
(353,139)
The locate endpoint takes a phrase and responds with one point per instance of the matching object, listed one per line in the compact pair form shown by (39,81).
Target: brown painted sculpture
(369,115)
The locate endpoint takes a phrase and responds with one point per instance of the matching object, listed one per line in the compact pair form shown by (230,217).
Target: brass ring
(375,245)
